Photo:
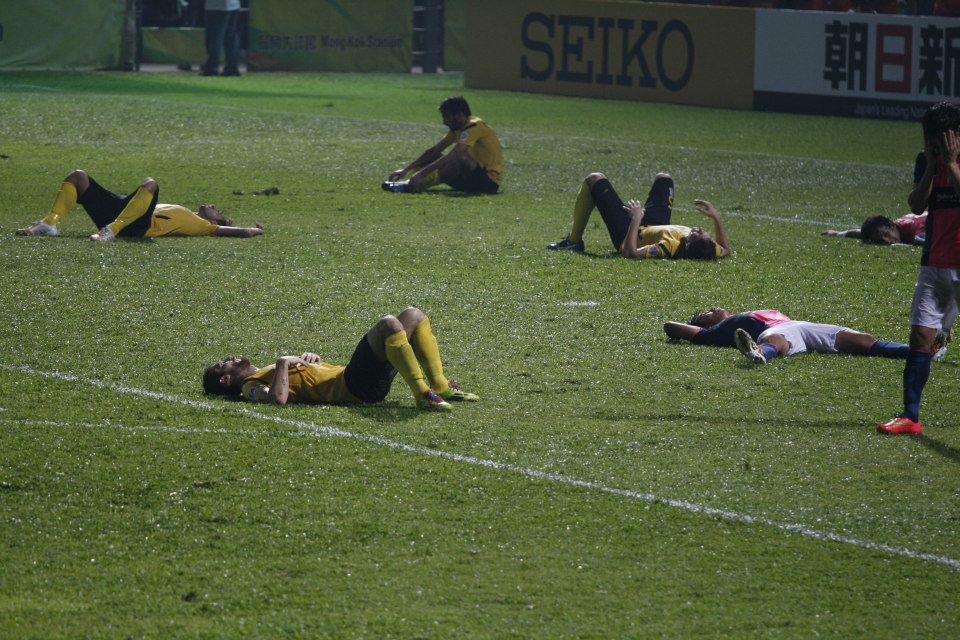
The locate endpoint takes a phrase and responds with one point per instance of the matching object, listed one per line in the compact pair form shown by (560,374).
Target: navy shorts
(657,208)
(103,206)
(366,376)
(477,181)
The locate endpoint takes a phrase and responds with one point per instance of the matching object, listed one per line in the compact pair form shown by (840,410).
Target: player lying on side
(767,334)
(908,229)
(136,215)
(643,231)
(474,165)
(394,344)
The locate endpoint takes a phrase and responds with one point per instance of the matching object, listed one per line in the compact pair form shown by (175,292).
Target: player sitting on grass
(767,334)
(393,344)
(136,215)
(908,229)
(474,165)
(643,231)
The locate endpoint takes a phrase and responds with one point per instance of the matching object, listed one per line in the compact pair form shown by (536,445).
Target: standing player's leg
(72,187)
(934,299)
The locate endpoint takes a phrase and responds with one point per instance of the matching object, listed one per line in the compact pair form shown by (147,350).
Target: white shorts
(806,336)
(935,298)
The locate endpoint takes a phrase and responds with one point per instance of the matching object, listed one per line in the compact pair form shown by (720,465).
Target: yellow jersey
(174,220)
(667,238)
(482,144)
(319,383)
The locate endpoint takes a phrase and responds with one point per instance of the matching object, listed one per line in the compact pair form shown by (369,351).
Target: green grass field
(610,484)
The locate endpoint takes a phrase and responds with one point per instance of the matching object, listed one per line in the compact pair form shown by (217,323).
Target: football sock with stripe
(885,349)
(428,351)
(404,360)
(581,212)
(137,206)
(65,201)
(915,375)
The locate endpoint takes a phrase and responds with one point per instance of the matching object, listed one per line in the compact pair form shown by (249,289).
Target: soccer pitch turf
(609,483)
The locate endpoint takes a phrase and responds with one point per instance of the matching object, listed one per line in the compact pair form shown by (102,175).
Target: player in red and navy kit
(767,334)
(907,229)
(936,187)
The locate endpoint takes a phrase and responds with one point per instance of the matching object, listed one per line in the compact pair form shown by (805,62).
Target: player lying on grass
(474,165)
(643,231)
(136,215)
(400,343)
(936,187)
(908,229)
(767,334)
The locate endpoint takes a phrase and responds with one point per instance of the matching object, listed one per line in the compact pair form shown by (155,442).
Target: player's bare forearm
(280,388)
(680,330)
(239,232)
(629,248)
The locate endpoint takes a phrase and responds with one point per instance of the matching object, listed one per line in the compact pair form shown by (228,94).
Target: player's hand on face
(705,208)
(310,358)
(951,145)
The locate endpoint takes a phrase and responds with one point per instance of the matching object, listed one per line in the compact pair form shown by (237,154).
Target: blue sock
(769,351)
(886,349)
(915,375)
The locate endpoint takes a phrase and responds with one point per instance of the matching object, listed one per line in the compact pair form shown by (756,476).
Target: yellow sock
(428,351)
(401,356)
(431,179)
(137,206)
(65,201)
(581,212)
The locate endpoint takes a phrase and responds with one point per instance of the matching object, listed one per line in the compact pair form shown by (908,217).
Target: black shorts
(477,181)
(657,208)
(367,377)
(103,207)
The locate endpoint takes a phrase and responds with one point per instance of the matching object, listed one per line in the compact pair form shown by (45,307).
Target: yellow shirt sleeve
(174,220)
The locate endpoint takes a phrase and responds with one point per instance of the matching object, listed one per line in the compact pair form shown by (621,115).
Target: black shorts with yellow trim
(368,377)
(103,206)
(477,181)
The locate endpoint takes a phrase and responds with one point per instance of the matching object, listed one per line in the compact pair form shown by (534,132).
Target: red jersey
(942,245)
(910,226)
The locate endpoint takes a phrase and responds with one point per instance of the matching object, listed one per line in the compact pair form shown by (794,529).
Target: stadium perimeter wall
(845,64)
(54,34)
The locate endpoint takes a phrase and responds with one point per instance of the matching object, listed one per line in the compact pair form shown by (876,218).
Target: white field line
(309,428)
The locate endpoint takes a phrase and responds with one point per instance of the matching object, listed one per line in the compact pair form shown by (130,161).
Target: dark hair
(870,230)
(700,248)
(212,384)
(455,104)
(940,118)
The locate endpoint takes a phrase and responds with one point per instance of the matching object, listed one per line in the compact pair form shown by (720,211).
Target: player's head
(455,111)
(225,378)
(211,213)
(698,245)
(879,230)
(940,118)
(709,317)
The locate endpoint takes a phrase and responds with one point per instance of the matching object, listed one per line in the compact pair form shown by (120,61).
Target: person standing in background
(221,19)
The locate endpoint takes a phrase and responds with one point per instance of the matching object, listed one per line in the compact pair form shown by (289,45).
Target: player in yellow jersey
(394,344)
(136,215)
(644,231)
(474,165)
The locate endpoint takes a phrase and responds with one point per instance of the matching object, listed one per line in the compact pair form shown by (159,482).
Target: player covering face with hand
(136,215)
(394,344)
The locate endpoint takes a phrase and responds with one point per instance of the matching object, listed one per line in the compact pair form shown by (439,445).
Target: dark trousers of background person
(221,33)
